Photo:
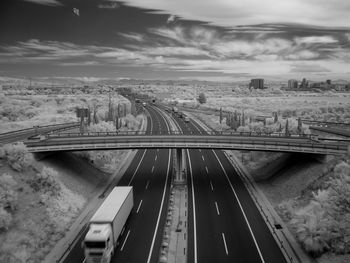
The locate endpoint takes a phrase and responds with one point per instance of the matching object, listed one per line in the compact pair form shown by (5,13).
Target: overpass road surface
(20,135)
(226,225)
(149,174)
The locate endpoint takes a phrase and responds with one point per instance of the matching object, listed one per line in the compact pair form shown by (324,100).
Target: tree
(299,125)
(202,98)
(287,133)
(220,115)
(275,120)
(243,119)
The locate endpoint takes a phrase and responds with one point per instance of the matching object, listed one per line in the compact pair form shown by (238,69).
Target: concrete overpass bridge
(231,141)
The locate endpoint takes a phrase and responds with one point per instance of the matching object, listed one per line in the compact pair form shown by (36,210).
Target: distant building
(304,84)
(328,81)
(292,84)
(257,83)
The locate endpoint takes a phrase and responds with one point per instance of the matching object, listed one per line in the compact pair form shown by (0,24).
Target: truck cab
(98,243)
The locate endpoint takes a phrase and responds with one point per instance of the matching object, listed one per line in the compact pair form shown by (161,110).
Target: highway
(149,174)
(226,225)
(332,130)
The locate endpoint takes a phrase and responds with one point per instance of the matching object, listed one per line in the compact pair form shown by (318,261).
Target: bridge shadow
(76,168)
(285,163)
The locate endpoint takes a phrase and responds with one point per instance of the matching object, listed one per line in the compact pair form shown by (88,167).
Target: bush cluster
(17,112)
(8,200)
(46,182)
(17,156)
(324,223)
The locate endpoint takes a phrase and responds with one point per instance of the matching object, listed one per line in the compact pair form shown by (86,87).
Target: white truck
(107,224)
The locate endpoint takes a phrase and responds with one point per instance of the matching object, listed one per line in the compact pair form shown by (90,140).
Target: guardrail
(38,127)
(187,141)
(19,135)
(345,133)
(327,123)
(173,132)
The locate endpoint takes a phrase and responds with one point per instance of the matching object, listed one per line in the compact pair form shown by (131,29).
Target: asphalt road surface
(149,174)
(226,225)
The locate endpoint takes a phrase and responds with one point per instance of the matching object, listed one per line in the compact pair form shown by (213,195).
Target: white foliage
(18,156)
(5,219)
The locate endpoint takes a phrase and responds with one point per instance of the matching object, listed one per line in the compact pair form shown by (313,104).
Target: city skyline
(159,39)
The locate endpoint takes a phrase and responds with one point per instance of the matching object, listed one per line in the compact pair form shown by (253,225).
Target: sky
(221,40)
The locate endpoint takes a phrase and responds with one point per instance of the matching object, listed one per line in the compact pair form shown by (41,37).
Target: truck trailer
(107,224)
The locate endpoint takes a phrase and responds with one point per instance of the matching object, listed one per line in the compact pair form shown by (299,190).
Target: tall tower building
(292,84)
(304,84)
(257,83)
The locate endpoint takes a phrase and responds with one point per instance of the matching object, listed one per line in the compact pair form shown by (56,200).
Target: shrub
(324,224)
(202,98)
(8,197)
(102,126)
(17,156)
(46,182)
(5,219)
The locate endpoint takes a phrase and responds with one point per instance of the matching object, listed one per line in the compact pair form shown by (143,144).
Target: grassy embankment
(39,200)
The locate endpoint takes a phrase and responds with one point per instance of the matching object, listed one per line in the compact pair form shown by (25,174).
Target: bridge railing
(203,141)
(205,133)
(325,123)
(39,127)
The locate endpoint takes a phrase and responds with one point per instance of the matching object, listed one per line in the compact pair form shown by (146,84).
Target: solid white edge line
(239,203)
(160,210)
(217,208)
(137,168)
(211,186)
(194,209)
(138,208)
(127,235)
(224,239)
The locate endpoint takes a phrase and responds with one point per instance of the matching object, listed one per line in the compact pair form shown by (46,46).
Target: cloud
(191,49)
(175,51)
(36,50)
(80,63)
(46,2)
(228,13)
(132,36)
(302,55)
(348,36)
(76,11)
(308,68)
(316,40)
(176,34)
(109,5)
(170,19)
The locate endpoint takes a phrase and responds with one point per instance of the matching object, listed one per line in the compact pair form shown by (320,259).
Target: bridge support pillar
(180,166)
